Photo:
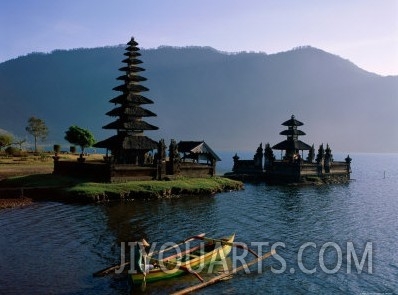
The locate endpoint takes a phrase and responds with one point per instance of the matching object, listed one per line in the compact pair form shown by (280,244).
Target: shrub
(13,151)
(5,140)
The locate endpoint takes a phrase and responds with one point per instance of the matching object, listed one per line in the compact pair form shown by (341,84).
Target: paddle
(106,271)
(143,284)
(178,244)
(226,243)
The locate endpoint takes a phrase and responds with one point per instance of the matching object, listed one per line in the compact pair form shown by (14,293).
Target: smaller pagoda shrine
(292,145)
(292,167)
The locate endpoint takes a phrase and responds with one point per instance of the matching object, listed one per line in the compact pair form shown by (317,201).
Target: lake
(331,239)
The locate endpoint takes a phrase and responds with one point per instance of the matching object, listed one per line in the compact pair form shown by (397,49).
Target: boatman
(140,264)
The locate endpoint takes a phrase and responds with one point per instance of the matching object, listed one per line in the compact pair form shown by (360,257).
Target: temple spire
(292,145)
(129,145)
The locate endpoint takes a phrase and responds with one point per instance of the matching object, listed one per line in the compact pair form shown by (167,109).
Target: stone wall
(246,167)
(292,172)
(196,170)
(283,172)
(95,171)
(106,172)
(121,173)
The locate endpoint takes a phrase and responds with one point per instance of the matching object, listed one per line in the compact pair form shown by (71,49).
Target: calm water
(53,248)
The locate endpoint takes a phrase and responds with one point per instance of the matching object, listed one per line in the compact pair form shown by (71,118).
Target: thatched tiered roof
(133,111)
(292,143)
(128,142)
(292,132)
(292,122)
(129,124)
(131,97)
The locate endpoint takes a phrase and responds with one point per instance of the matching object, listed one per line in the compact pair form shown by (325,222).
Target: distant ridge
(233,100)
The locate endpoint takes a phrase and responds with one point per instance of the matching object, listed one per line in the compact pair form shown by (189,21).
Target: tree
(79,136)
(20,142)
(5,140)
(38,129)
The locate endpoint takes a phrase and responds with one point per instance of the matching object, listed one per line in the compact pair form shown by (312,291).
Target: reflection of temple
(292,167)
(134,156)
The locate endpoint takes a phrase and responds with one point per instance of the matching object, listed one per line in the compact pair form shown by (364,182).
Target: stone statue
(236,161)
(162,150)
(174,156)
(321,154)
(311,154)
(258,157)
(328,158)
(328,154)
(269,157)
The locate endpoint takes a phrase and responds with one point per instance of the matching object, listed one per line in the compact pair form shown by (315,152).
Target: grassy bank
(155,189)
(30,163)
(31,177)
(52,186)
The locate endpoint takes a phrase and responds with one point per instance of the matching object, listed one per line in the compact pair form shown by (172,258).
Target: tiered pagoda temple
(292,145)
(133,155)
(130,145)
(291,167)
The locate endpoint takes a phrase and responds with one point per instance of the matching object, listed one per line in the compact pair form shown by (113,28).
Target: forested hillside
(233,101)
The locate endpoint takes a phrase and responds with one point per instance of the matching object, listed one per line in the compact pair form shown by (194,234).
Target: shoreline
(11,203)
(49,187)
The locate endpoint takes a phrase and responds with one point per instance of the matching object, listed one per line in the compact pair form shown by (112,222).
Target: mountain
(233,101)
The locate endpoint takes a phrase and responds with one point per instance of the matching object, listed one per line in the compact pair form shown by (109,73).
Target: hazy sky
(363,31)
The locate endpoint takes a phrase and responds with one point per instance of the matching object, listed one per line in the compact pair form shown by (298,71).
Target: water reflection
(125,220)
(52,248)
(161,220)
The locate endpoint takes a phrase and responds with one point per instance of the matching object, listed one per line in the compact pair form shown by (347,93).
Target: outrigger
(187,261)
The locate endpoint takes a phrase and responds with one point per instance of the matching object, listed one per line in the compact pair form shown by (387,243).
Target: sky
(362,31)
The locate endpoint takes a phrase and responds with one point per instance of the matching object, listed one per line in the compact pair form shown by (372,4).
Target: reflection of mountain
(234,101)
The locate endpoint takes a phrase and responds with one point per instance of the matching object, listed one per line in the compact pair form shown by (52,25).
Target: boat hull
(176,266)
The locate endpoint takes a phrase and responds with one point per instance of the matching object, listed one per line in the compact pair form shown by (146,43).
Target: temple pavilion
(291,167)
(292,145)
(130,145)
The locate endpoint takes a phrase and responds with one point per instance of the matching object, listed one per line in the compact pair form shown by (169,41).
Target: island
(292,168)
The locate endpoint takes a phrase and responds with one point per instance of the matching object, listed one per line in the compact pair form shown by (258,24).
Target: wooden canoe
(186,261)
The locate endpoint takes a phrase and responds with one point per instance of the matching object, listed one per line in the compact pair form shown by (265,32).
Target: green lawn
(133,189)
(172,187)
